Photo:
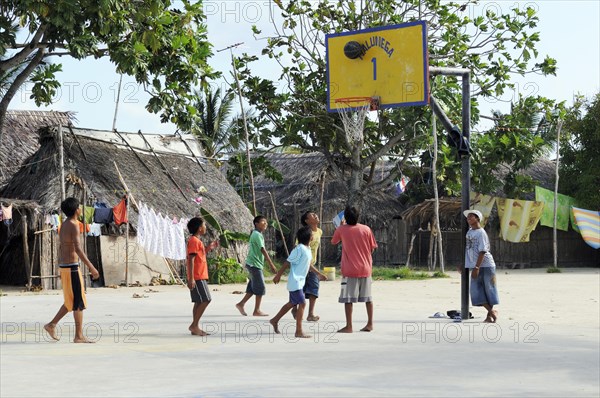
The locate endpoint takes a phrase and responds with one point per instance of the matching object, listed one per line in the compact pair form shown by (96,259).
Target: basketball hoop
(353,111)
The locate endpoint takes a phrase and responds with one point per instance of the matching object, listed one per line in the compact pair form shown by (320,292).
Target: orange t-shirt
(120,212)
(196,247)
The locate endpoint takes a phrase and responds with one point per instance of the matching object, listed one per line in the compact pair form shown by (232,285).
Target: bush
(225,270)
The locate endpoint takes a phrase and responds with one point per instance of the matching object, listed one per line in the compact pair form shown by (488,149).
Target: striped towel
(588,222)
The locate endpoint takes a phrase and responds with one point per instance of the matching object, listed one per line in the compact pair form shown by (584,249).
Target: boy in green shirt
(254,264)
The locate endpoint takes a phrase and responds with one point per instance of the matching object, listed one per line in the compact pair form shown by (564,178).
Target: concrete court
(546,343)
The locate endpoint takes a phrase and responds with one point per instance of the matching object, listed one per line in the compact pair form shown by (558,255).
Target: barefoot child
(197,273)
(358,244)
(70,274)
(254,264)
(479,259)
(311,287)
(299,264)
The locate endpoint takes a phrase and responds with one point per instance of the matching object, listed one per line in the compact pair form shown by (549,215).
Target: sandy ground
(546,343)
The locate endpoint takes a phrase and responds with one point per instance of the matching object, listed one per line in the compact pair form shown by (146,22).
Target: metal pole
(466,187)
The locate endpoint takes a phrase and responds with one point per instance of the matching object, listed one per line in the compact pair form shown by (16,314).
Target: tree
(163,47)
(579,173)
(295,114)
(214,125)
(517,140)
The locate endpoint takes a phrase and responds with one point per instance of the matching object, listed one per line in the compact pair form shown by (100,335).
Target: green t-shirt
(255,256)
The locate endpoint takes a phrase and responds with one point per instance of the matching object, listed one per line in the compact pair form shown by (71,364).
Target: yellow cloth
(518,218)
(483,203)
(314,245)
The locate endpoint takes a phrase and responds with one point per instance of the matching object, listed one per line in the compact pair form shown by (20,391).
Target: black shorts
(200,293)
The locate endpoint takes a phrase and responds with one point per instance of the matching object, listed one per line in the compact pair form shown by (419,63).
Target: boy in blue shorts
(254,264)
(311,287)
(299,264)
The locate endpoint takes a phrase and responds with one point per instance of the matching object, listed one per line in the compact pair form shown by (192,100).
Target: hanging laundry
(141,226)
(88,214)
(120,212)
(483,203)
(102,213)
(6,214)
(588,222)
(179,252)
(518,218)
(95,229)
(155,238)
(563,208)
(56,221)
(400,185)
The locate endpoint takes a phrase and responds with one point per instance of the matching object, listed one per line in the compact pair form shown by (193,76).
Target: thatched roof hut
(305,179)
(165,172)
(21,138)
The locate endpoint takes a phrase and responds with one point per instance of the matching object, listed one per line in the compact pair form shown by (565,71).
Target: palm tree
(214,125)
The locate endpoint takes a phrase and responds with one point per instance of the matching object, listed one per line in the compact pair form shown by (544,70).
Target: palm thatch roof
(306,177)
(21,138)
(165,172)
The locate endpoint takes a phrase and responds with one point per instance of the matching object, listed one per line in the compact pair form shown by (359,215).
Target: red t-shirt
(196,247)
(358,243)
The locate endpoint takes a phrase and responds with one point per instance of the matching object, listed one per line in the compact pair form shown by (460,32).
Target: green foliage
(553,270)
(225,270)
(385,273)
(291,106)
(225,235)
(161,43)
(515,142)
(579,151)
(238,176)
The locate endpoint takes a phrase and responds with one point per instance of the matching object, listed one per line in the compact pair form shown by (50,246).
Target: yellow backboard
(393,66)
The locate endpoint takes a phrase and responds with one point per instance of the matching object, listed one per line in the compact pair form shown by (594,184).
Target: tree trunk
(356,176)
(16,84)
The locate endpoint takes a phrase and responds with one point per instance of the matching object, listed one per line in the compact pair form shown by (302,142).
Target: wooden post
(61,159)
(26,249)
(84,235)
(321,216)
(554,239)
(127,242)
(287,252)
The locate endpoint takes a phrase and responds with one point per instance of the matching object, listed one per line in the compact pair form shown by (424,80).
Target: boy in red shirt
(197,272)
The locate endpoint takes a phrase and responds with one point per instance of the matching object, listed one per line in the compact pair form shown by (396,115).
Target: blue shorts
(256,283)
(297,297)
(311,285)
(483,288)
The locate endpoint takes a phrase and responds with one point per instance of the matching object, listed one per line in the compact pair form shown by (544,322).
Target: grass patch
(392,274)
(553,270)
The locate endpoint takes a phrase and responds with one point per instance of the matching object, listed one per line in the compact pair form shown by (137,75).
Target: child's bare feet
(196,331)
(493,314)
(275,326)
(82,340)
(312,318)
(51,329)
(240,308)
(368,328)
(302,335)
(259,313)
(345,329)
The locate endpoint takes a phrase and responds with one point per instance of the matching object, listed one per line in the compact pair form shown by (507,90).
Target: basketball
(353,50)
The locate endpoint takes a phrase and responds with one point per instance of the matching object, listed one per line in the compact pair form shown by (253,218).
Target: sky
(569,31)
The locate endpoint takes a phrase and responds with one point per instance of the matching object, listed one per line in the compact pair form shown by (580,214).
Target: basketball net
(353,112)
